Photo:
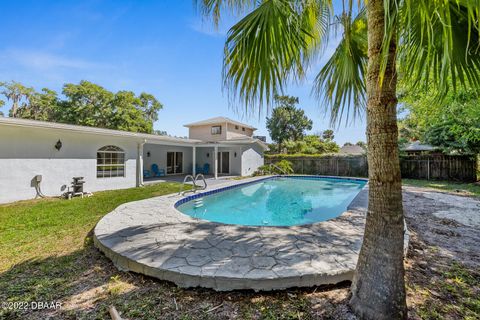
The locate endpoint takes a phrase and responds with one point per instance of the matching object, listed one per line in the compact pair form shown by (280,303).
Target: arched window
(110,162)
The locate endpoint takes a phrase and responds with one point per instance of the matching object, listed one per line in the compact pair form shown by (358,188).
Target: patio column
(140,163)
(194,161)
(215,159)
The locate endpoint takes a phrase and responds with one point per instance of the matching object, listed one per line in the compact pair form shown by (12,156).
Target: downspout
(140,163)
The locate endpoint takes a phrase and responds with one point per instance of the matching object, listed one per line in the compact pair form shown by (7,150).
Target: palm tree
(423,41)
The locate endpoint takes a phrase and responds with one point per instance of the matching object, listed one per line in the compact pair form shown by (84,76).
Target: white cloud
(44,61)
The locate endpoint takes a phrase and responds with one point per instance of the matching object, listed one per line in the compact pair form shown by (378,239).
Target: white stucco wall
(158,155)
(26,152)
(234,133)
(204,132)
(252,158)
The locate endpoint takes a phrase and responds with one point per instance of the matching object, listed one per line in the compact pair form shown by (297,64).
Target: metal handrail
(198,176)
(195,186)
(280,169)
(185,182)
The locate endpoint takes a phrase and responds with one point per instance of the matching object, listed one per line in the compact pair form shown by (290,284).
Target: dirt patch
(450,237)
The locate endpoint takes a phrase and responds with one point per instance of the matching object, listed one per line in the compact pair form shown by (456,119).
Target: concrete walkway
(153,238)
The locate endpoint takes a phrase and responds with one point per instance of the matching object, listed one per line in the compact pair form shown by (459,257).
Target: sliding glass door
(174,162)
(223,162)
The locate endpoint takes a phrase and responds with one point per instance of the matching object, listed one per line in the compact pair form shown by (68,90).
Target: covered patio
(210,179)
(172,162)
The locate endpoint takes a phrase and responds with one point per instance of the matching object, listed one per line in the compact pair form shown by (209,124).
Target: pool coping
(152,237)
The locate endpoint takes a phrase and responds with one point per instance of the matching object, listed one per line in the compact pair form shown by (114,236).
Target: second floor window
(217,130)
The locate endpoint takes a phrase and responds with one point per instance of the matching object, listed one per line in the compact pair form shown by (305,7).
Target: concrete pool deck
(153,238)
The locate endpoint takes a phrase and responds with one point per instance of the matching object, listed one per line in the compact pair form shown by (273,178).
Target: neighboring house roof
(149,138)
(418,146)
(218,120)
(352,150)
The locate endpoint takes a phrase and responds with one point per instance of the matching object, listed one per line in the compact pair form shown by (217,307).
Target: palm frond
(270,46)
(341,82)
(440,43)
(214,8)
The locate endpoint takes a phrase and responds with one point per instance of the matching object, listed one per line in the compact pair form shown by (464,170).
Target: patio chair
(206,168)
(157,172)
(147,173)
(199,169)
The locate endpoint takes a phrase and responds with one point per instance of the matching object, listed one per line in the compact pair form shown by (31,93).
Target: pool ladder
(198,203)
(195,185)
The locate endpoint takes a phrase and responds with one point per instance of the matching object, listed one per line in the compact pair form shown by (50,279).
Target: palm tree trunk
(378,287)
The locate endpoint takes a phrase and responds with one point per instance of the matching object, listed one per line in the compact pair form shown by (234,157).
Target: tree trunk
(378,287)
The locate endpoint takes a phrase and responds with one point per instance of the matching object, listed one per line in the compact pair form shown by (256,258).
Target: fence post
(337,166)
(428,168)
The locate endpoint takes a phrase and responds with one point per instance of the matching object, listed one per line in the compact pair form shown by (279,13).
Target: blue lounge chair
(157,172)
(206,168)
(147,173)
(198,169)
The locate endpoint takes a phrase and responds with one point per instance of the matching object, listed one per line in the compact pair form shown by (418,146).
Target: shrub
(280,167)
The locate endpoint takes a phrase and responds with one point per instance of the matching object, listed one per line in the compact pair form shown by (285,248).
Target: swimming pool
(276,201)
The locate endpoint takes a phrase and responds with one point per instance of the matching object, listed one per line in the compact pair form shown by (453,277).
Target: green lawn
(45,227)
(472,189)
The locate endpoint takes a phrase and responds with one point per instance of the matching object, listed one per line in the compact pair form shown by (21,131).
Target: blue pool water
(279,201)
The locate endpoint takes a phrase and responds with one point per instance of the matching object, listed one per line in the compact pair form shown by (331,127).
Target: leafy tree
(347,144)
(454,127)
(2,103)
(160,132)
(423,41)
(361,144)
(328,135)
(40,106)
(150,106)
(311,144)
(287,122)
(86,104)
(17,93)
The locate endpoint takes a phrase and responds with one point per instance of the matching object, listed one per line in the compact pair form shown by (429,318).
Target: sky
(162,47)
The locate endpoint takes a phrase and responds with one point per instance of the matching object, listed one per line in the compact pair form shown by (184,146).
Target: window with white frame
(110,162)
(217,130)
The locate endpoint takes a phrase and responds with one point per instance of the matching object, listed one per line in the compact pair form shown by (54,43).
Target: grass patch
(41,228)
(472,189)
(454,294)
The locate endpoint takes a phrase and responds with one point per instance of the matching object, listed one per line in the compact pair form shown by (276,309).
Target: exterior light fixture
(58,145)
(235,154)
(148,154)
(208,154)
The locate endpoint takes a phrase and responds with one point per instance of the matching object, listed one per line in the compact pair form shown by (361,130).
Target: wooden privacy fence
(430,167)
(439,167)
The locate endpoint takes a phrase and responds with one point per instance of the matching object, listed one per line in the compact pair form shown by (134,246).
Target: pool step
(198,203)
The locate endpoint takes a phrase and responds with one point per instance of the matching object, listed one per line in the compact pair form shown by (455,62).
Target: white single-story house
(54,153)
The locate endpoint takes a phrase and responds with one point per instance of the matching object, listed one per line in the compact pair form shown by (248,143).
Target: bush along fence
(429,167)
(326,165)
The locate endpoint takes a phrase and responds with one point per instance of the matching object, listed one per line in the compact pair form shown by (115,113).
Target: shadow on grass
(87,283)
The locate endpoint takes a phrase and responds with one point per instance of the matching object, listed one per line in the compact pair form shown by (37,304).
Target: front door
(224,162)
(174,162)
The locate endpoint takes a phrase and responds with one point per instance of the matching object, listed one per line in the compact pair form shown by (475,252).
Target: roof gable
(218,120)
